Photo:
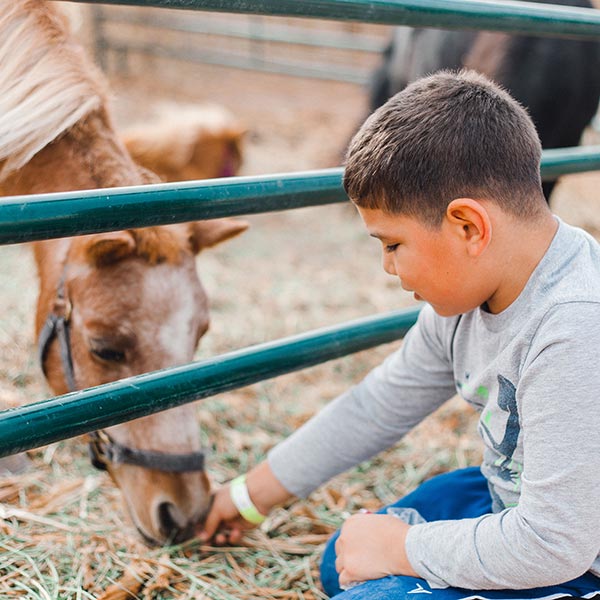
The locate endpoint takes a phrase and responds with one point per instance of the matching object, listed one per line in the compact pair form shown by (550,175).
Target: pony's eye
(108,354)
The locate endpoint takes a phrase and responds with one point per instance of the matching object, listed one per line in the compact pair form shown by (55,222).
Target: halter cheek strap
(57,326)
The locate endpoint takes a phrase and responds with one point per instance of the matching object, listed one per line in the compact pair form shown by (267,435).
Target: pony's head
(111,305)
(133,303)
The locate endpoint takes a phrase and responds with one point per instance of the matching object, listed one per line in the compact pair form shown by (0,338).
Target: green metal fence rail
(80,412)
(514,17)
(44,216)
(565,161)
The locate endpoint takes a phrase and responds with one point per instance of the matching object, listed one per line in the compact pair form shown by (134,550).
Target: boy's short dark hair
(446,136)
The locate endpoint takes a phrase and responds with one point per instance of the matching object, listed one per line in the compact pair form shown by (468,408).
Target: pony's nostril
(171,524)
(167,518)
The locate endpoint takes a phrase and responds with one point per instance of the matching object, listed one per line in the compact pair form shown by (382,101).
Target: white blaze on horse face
(183,307)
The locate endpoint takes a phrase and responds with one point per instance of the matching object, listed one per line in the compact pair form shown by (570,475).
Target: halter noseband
(102,448)
(104,451)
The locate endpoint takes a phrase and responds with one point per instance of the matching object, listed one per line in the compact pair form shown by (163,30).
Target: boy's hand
(224,522)
(371,547)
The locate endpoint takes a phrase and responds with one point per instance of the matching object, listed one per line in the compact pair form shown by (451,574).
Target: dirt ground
(291,272)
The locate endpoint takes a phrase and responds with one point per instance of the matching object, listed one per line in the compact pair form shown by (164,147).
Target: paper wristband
(238,491)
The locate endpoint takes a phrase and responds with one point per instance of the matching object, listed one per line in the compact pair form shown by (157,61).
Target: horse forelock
(160,244)
(46,83)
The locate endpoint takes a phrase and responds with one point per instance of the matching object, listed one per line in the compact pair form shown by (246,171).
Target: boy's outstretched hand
(224,522)
(370,547)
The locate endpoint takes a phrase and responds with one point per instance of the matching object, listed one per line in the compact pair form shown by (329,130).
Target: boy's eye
(391,247)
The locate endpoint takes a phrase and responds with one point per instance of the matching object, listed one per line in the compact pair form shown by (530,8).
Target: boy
(446,176)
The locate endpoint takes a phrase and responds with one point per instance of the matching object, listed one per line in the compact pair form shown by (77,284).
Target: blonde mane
(46,83)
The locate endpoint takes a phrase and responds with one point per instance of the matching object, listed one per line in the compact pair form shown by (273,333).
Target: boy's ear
(472,223)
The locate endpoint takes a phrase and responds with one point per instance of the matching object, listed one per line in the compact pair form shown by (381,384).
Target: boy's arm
(375,414)
(552,535)
(370,417)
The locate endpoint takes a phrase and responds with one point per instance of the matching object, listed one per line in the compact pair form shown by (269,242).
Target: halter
(102,448)
(104,451)
(57,326)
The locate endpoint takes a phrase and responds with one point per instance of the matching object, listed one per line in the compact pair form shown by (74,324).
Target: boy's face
(432,263)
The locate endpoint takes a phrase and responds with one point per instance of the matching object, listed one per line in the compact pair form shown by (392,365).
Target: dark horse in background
(558,80)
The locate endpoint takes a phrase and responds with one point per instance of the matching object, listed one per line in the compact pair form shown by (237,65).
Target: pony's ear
(206,234)
(107,248)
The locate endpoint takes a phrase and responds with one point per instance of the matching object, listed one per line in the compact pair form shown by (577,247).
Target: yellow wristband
(238,490)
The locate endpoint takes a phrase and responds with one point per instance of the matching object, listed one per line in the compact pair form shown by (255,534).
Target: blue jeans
(461,494)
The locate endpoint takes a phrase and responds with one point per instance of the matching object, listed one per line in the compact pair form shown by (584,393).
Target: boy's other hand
(370,547)
(223,523)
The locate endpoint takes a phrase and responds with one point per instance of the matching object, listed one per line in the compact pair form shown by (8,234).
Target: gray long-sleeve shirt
(533,372)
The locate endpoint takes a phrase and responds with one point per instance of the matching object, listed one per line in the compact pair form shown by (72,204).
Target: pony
(188,142)
(557,80)
(110,305)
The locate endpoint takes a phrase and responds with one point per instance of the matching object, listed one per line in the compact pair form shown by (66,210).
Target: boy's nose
(388,265)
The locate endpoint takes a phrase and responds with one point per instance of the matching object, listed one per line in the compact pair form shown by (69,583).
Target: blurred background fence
(329,50)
